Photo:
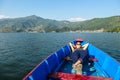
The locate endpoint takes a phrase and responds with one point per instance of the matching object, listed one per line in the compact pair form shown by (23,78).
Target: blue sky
(60,9)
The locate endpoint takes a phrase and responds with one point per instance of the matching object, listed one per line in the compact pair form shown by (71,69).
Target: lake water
(21,52)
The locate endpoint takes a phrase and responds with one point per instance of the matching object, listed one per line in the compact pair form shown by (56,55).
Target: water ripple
(21,52)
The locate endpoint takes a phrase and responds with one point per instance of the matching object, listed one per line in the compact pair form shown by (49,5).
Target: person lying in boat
(79,55)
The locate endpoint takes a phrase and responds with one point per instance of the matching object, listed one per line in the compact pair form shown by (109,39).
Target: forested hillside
(37,24)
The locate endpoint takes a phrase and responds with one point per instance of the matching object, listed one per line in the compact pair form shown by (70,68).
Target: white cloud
(3,16)
(76,19)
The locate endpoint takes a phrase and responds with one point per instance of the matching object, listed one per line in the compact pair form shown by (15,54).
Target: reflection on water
(21,52)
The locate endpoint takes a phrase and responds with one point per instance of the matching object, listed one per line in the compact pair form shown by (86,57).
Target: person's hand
(70,43)
(74,66)
(78,62)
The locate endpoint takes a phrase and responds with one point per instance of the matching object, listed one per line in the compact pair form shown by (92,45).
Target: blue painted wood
(106,65)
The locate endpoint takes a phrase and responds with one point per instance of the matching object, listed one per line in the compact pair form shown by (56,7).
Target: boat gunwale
(30,73)
(106,54)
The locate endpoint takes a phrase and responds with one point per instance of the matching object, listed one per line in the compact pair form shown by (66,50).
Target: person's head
(78,45)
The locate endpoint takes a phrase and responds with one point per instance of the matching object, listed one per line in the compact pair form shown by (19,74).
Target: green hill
(29,24)
(110,24)
(37,24)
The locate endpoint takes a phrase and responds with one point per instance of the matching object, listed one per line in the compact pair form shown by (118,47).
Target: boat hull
(106,66)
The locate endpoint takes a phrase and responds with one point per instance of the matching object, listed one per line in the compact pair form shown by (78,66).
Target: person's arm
(72,47)
(85,46)
(78,62)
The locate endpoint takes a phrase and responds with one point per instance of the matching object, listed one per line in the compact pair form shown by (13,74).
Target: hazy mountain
(37,24)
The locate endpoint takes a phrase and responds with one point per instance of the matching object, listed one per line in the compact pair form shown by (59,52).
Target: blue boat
(56,67)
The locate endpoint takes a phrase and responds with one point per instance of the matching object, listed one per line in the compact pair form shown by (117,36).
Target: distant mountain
(37,24)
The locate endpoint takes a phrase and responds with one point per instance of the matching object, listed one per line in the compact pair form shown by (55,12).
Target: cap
(79,40)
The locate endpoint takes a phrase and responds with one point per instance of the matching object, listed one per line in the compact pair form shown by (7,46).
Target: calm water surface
(21,52)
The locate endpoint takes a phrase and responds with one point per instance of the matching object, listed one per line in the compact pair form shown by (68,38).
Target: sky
(60,9)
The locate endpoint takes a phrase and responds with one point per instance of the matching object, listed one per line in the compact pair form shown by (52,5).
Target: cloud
(76,19)
(3,16)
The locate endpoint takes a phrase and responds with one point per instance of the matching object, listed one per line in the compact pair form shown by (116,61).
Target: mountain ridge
(35,23)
